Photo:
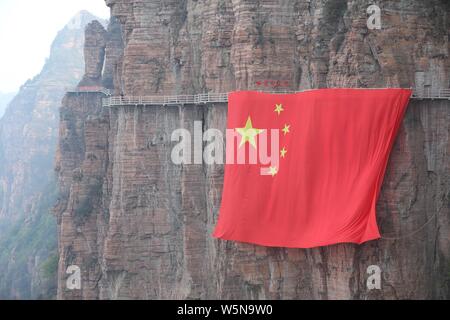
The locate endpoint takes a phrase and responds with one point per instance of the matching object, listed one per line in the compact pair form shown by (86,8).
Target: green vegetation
(49,268)
(30,239)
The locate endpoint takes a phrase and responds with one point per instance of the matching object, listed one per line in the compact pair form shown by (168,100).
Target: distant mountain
(28,132)
(5,99)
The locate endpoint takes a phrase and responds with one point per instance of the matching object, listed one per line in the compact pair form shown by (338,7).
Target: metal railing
(204,98)
(105,91)
(431,93)
(166,100)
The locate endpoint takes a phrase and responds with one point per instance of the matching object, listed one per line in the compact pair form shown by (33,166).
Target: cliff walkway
(90,89)
(204,98)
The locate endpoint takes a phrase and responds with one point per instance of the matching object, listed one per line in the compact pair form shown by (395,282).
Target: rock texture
(139,226)
(94,53)
(28,137)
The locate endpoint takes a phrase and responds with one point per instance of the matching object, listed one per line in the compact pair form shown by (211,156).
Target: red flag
(322,188)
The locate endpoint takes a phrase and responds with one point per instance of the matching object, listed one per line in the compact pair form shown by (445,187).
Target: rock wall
(139,226)
(199,46)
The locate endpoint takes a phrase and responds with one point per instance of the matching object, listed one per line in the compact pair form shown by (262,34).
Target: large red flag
(328,151)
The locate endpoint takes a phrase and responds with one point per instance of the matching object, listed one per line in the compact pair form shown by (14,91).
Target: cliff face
(28,136)
(197,46)
(139,226)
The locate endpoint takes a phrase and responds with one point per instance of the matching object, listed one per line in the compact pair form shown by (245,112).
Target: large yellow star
(248,133)
(278,108)
(286,129)
(283,152)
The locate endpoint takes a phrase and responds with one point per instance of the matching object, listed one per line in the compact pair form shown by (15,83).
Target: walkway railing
(204,98)
(431,93)
(166,100)
(105,91)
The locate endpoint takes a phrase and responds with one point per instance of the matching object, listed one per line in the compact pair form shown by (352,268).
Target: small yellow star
(286,129)
(283,152)
(278,108)
(273,171)
(248,133)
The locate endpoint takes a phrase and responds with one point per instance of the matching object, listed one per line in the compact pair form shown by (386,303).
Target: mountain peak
(81,19)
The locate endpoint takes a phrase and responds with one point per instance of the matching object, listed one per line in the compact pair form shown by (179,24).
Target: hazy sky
(27,29)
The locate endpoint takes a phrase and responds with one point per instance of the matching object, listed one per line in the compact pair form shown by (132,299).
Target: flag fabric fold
(311,165)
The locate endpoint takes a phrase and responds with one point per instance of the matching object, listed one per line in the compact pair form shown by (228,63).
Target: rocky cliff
(28,137)
(139,226)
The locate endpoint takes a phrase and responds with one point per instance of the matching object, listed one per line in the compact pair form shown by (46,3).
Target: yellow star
(248,133)
(286,129)
(273,171)
(278,108)
(283,152)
